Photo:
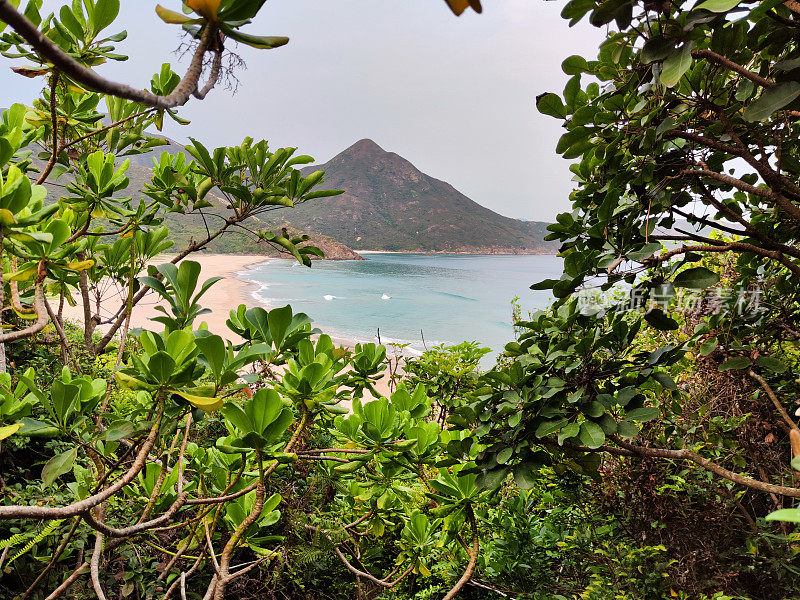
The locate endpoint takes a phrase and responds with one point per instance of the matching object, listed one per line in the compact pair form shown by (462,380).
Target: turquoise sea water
(449,298)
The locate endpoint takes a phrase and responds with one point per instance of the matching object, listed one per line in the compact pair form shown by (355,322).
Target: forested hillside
(389,204)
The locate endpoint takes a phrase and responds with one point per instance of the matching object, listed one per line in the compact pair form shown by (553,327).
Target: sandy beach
(224,296)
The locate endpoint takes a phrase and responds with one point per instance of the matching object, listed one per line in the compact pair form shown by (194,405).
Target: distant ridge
(389,204)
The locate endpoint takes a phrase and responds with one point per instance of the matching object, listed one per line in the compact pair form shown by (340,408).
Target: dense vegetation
(636,440)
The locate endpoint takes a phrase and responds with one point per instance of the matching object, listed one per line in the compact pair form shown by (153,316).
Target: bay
(443,298)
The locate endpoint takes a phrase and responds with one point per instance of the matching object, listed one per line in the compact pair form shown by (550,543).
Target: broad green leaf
(279,320)
(608,424)
(504,455)
(665,380)
(263,42)
(708,346)
(675,65)
(65,399)
(735,363)
(591,435)
(655,49)
(263,408)
(771,100)
(570,431)
(525,475)
(238,418)
(492,479)
(186,278)
(161,366)
(791,515)
(31,236)
(551,104)
(574,64)
(547,428)
(276,429)
(349,467)
(213,349)
(645,251)
(697,278)
(658,319)
(627,429)
(594,409)
(744,90)
(34,428)
(119,431)
(771,364)
(271,503)
(645,413)
(105,11)
(717,6)
(72,24)
(58,465)
(60,232)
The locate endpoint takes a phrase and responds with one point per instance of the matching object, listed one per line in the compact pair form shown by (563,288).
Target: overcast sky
(455,96)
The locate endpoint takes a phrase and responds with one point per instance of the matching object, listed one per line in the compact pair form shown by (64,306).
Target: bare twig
(771,394)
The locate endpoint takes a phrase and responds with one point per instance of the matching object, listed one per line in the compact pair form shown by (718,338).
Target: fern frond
(14,540)
(45,532)
(308,555)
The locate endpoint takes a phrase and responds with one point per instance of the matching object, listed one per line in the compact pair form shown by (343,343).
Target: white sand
(224,296)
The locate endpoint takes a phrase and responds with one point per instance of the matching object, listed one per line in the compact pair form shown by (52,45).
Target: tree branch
(473,556)
(732,66)
(76,508)
(723,178)
(780,408)
(38,306)
(62,61)
(124,532)
(212,76)
(707,464)
(54,118)
(369,576)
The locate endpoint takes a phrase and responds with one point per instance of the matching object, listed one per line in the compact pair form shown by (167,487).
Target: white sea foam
(432,299)
(414,347)
(258,295)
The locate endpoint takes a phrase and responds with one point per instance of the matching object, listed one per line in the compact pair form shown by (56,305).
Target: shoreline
(455,253)
(339,338)
(224,296)
(227,294)
(422,252)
